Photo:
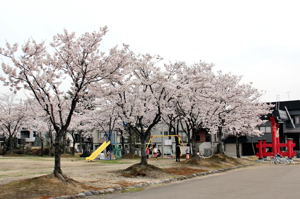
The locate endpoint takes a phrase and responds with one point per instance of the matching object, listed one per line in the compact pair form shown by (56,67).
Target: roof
(248,139)
(291,105)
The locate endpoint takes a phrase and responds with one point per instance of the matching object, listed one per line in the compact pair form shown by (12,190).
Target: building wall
(230,149)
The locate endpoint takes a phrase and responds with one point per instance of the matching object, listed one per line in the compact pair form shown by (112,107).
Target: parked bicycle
(279,159)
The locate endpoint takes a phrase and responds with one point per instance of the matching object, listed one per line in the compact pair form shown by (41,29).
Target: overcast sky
(257,39)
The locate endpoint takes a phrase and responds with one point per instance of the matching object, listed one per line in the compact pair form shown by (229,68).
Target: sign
(167,142)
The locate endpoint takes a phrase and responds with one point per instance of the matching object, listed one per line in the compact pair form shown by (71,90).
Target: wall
(230,149)
(206,148)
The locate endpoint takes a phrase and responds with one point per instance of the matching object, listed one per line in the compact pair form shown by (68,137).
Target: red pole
(274,130)
(260,149)
(290,148)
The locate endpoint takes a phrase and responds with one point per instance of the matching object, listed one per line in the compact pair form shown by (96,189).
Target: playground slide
(96,153)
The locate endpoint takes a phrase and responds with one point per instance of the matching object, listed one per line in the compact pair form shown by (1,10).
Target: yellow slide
(98,151)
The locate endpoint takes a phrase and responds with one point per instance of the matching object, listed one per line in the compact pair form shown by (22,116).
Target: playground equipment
(96,153)
(177,140)
(117,151)
(162,136)
(275,145)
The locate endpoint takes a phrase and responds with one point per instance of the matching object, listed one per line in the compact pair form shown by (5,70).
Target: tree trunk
(10,145)
(238,154)
(58,145)
(188,134)
(42,146)
(189,142)
(131,148)
(51,144)
(252,144)
(122,143)
(194,147)
(73,147)
(143,138)
(80,143)
(5,147)
(73,143)
(220,145)
(64,144)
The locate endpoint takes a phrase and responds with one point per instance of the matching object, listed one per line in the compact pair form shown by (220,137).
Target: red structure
(275,145)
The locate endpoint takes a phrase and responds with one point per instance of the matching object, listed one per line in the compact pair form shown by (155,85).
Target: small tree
(12,118)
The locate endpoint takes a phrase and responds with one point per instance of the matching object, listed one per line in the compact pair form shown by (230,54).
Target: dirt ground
(100,174)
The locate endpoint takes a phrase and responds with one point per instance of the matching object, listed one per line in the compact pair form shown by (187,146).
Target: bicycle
(278,159)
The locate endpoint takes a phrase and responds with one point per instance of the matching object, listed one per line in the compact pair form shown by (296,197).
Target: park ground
(20,175)
(263,182)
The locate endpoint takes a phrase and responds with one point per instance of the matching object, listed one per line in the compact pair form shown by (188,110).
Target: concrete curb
(145,184)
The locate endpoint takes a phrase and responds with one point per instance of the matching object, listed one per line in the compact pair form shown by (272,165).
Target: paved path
(265,182)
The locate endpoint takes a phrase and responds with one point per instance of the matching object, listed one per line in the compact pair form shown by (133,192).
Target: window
(297,119)
(262,129)
(25,134)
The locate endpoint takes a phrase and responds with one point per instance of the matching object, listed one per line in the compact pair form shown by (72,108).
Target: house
(26,137)
(288,119)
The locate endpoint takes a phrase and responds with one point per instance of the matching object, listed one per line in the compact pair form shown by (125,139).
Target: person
(147,152)
(158,153)
(178,152)
(187,152)
(155,151)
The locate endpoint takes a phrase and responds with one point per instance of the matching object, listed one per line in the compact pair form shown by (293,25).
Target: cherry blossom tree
(140,98)
(170,113)
(226,98)
(232,100)
(60,76)
(13,116)
(105,118)
(246,115)
(39,122)
(194,99)
(215,102)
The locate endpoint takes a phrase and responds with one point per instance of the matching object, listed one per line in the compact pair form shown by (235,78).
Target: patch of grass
(137,189)
(37,158)
(74,159)
(131,156)
(112,162)
(43,158)
(7,157)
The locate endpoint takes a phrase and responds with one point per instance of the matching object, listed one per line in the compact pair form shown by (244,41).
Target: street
(264,182)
